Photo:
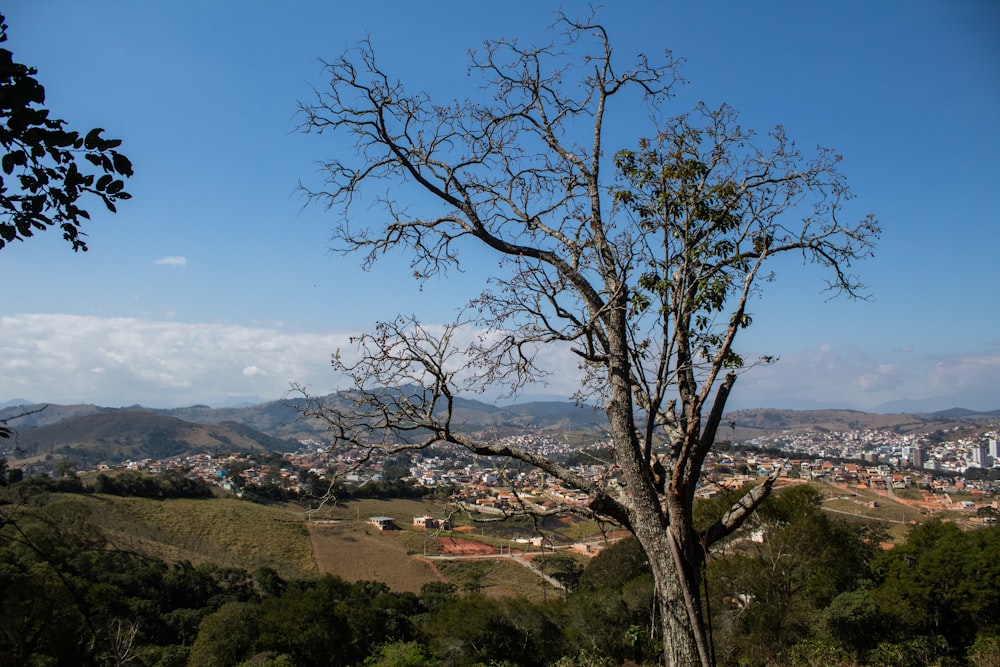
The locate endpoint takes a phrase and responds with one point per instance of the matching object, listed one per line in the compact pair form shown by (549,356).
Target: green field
(228,532)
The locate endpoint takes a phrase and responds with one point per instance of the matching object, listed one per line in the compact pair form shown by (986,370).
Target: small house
(383,522)
(430,523)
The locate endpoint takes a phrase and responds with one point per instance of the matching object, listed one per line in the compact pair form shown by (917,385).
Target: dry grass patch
(402,510)
(361,552)
(228,532)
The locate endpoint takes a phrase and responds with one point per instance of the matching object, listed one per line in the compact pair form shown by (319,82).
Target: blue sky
(213,285)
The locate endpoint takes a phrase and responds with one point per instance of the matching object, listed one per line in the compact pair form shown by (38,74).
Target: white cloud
(162,363)
(175,260)
(957,373)
(880,377)
(124,361)
(848,376)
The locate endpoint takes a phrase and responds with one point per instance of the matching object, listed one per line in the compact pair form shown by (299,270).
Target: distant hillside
(90,434)
(278,418)
(115,435)
(543,415)
(748,424)
(26,416)
(282,418)
(963,414)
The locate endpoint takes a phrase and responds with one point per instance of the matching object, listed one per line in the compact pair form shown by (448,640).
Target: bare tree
(645,275)
(121,640)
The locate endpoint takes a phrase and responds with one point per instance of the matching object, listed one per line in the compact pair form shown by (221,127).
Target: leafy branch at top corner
(42,178)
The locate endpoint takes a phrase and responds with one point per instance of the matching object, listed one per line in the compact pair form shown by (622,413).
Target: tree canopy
(43,182)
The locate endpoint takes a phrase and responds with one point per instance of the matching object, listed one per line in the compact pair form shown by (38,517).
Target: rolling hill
(116,435)
(89,434)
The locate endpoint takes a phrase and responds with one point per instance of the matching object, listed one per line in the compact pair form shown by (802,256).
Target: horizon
(528,400)
(213,286)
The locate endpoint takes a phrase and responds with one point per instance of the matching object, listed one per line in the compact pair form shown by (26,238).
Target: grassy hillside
(355,550)
(495,578)
(359,551)
(340,541)
(236,533)
(228,532)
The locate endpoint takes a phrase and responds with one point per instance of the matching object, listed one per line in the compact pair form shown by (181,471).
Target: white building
(978,456)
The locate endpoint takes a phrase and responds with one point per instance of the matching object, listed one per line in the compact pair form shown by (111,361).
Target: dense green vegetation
(813,591)
(129,483)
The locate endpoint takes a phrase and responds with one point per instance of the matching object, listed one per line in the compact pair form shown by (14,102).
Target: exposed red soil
(459,547)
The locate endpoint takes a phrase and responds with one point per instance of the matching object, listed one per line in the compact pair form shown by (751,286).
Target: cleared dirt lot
(358,551)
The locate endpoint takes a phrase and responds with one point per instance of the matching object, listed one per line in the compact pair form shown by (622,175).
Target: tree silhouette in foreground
(42,181)
(646,274)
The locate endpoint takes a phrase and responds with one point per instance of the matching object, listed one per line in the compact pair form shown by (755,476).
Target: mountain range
(89,434)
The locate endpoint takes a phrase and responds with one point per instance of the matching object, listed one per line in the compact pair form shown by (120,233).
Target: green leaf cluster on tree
(323,622)
(170,484)
(47,169)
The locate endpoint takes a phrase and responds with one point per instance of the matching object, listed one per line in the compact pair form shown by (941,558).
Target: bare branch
(648,276)
(739,512)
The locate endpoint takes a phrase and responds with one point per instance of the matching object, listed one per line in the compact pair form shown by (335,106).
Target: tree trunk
(676,569)
(684,639)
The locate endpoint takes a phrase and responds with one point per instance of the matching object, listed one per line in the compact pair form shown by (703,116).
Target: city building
(978,456)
